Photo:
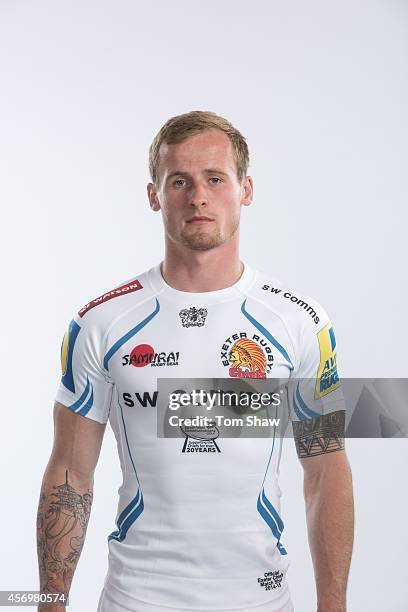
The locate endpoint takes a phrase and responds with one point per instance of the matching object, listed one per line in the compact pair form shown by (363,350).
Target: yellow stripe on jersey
(64,352)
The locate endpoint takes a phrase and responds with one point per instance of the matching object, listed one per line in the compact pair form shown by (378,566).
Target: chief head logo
(247,355)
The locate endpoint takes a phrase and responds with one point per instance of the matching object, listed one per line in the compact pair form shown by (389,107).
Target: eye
(179,183)
(215,180)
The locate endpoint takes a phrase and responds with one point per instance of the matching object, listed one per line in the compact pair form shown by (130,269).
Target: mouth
(199,220)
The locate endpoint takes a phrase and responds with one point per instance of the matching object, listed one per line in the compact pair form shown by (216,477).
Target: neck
(200,271)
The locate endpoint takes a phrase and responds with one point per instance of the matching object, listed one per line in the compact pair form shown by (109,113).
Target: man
(198,524)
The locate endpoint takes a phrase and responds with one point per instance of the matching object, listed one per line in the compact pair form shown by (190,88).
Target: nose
(198,195)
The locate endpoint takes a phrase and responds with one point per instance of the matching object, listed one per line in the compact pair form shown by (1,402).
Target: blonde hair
(181,127)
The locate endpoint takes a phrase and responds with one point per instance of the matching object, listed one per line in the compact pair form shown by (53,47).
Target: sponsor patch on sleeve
(123,289)
(327,376)
(67,349)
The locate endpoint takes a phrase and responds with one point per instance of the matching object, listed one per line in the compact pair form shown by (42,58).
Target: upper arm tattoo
(323,434)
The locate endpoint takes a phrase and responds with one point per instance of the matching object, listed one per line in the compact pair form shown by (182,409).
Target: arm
(65,500)
(329,507)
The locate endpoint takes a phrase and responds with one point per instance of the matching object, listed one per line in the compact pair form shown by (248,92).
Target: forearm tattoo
(62,520)
(323,434)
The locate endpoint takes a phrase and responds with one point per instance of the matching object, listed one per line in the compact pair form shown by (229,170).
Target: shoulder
(305,320)
(111,303)
(297,309)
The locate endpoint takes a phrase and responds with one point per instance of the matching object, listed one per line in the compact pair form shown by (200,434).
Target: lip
(199,220)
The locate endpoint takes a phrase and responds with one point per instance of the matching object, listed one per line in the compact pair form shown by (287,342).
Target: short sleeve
(315,386)
(84,388)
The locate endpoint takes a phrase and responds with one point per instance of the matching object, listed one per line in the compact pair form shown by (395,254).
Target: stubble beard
(202,241)
(205,240)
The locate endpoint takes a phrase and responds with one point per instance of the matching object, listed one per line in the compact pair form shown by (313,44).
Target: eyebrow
(207,171)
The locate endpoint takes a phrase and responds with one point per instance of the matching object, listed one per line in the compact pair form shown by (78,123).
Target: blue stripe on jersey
(86,407)
(120,535)
(282,549)
(273,446)
(129,334)
(268,518)
(266,333)
(272,510)
(272,519)
(84,403)
(299,414)
(128,517)
(129,508)
(332,338)
(67,378)
(135,508)
(300,404)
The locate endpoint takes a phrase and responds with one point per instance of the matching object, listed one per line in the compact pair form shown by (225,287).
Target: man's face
(199,193)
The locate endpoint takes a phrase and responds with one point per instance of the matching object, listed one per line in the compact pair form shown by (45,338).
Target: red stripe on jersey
(127,288)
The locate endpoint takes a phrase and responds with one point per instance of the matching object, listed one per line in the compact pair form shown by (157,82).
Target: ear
(247,191)
(153,199)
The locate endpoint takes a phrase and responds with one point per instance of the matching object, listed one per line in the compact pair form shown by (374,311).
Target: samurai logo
(193,317)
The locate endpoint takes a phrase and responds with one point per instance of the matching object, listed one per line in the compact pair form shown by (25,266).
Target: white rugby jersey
(198,525)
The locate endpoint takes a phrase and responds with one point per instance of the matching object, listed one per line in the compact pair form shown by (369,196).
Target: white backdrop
(320,89)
